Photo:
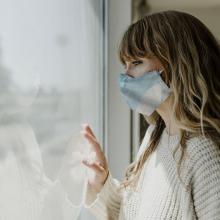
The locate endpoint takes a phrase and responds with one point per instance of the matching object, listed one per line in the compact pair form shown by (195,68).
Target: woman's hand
(99,166)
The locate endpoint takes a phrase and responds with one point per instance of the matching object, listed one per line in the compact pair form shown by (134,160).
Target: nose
(128,73)
(127,68)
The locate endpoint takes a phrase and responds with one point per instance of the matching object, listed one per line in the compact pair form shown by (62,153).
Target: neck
(164,110)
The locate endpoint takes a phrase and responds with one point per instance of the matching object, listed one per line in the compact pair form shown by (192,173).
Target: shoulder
(202,147)
(204,155)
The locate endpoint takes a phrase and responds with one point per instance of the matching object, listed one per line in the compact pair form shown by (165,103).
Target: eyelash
(136,62)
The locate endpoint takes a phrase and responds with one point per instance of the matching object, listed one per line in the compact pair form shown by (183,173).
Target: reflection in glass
(50,82)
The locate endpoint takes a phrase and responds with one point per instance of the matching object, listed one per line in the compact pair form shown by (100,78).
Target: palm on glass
(99,165)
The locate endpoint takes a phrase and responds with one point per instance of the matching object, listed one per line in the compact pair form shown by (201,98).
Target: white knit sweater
(160,194)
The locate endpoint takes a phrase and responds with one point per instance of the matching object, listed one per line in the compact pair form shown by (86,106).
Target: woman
(172,72)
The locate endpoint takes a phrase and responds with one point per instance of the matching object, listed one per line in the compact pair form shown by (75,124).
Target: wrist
(99,187)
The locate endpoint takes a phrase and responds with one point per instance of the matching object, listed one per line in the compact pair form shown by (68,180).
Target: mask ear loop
(160,71)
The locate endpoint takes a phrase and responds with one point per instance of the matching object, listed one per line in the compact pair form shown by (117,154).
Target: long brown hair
(190,55)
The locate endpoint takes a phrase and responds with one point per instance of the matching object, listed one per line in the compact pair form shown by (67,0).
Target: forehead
(125,58)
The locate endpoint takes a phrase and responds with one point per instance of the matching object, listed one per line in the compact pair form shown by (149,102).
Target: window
(51,81)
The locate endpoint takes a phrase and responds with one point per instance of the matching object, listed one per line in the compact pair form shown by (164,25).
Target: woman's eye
(136,62)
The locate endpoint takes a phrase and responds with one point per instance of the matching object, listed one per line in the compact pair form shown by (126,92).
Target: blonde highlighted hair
(190,55)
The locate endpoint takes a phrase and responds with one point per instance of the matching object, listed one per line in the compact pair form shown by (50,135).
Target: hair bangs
(133,45)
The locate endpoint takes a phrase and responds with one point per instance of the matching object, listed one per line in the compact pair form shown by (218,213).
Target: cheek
(144,68)
(152,65)
(156,65)
(138,70)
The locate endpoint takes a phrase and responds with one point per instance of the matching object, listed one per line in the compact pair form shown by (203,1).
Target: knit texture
(160,193)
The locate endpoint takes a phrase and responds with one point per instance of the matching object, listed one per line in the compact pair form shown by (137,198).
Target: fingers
(88,129)
(92,141)
(94,166)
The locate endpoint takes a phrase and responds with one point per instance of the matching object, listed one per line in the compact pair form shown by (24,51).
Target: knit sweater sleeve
(104,205)
(206,179)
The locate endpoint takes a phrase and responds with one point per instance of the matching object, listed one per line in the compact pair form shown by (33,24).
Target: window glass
(50,83)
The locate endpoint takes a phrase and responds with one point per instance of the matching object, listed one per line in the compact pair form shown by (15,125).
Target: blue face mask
(144,93)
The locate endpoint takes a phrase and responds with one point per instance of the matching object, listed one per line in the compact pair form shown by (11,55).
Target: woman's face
(137,68)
